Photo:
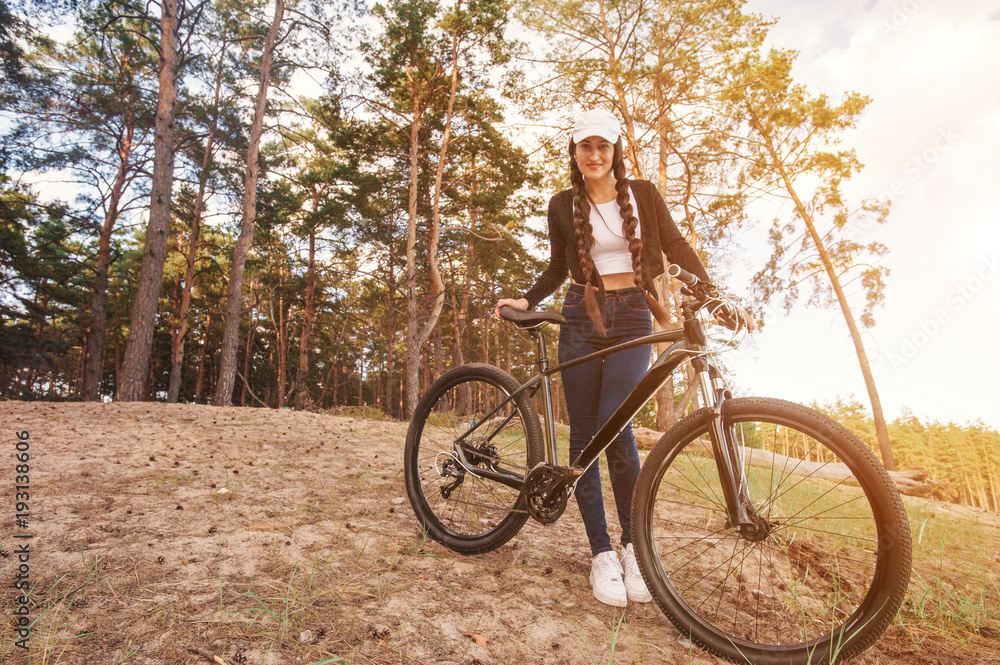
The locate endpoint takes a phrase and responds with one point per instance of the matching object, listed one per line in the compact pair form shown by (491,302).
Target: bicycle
(765,531)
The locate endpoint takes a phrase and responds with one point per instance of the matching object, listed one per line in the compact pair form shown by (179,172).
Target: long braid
(629,223)
(583,233)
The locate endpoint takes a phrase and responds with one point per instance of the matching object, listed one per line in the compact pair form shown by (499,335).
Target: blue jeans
(593,391)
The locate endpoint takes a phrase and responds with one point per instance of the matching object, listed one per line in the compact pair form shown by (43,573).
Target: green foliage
(662,69)
(791,148)
(963,459)
(41,295)
(10,51)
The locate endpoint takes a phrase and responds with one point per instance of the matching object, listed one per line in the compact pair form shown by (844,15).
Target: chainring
(547,491)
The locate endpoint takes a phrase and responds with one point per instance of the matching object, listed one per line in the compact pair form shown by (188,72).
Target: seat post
(540,353)
(550,418)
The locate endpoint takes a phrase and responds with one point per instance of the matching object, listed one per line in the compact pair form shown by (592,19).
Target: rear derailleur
(483,455)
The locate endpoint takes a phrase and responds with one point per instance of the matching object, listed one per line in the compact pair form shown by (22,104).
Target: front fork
(725,447)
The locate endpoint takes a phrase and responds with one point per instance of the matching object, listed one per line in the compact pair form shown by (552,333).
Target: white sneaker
(606,580)
(634,585)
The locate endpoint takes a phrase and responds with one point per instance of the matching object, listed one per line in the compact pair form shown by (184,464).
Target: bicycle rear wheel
(460,509)
(828,572)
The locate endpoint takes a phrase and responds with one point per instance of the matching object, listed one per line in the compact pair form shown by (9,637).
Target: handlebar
(703,292)
(677,272)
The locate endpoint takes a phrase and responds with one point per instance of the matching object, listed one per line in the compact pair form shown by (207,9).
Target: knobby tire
(467,513)
(829,576)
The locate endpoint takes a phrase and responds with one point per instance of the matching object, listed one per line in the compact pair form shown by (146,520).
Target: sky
(929,141)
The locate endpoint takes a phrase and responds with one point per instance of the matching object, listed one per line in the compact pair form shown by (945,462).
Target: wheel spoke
(808,565)
(466,425)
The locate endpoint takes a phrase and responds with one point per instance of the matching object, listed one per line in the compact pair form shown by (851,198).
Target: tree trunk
(994,492)
(631,148)
(148,391)
(507,344)
(967,487)
(94,363)
(307,320)
(414,340)
(200,382)
(884,445)
(664,401)
(118,361)
(248,352)
(282,340)
(438,352)
(461,311)
(361,375)
(279,350)
(336,343)
(139,346)
(336,381)
(461,308)
(378,387)
(412,349)
(180,333)
(326,386)
(227,368)
(484,341)
(183,324)
(390,324)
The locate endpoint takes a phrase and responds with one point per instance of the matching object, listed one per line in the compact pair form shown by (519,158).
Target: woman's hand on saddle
(516,303)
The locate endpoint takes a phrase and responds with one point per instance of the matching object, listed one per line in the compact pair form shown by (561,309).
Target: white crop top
(610,250)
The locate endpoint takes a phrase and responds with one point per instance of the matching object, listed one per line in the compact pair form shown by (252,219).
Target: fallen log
(913,482)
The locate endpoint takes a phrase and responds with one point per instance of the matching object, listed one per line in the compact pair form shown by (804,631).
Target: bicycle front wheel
(458,507)
(824,575)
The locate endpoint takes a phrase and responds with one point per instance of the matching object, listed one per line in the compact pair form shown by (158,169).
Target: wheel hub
(758,529)
(483,455)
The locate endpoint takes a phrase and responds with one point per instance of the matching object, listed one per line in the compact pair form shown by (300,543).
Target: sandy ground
(183,534)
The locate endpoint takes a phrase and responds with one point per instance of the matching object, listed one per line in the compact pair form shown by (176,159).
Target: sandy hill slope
(179,533)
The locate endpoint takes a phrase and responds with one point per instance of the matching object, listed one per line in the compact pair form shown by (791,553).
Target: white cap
(597,122)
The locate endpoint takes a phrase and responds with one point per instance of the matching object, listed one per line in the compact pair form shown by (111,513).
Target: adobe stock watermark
(929,328)
(917,165)
(900,15)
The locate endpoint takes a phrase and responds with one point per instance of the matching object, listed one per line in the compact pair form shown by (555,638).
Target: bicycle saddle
(526,319)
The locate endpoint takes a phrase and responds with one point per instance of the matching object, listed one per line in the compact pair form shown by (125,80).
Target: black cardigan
(659,236)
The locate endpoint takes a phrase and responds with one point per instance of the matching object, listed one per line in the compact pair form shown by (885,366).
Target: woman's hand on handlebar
(516,303)
(733,317)
(725,311)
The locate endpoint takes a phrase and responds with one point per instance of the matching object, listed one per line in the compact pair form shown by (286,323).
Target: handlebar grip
(675,270)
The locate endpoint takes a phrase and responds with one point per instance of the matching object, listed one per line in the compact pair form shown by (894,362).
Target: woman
(610,234)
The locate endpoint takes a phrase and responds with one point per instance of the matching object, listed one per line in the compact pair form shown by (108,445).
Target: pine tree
(234,297)
(424,62)
(140,337)
(791,150)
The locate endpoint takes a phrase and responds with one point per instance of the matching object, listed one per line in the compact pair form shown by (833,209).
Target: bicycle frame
(685,343)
